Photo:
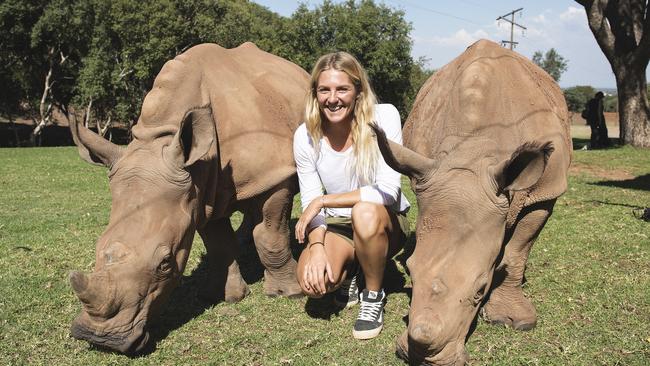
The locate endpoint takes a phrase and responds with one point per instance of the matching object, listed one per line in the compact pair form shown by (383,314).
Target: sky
(442,29)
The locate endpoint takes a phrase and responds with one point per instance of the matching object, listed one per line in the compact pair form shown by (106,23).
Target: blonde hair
(366,152)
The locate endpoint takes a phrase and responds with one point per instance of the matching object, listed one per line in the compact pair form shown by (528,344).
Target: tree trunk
(633,109)
(622,30)
(12,125)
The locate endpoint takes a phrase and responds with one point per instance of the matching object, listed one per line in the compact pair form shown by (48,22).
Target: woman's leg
(376,234)
(339,254)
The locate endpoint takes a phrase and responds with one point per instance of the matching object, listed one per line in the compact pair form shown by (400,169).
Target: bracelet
(316,242)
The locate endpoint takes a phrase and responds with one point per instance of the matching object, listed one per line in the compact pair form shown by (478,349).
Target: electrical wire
(439,12)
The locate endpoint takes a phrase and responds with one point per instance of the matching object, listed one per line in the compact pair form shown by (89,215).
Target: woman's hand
(310,212)
(317,270)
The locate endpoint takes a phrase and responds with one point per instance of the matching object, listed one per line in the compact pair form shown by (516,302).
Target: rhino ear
(94,148)
(524,168)
(194,138)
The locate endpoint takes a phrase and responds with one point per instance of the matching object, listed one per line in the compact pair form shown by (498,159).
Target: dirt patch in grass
(577,169)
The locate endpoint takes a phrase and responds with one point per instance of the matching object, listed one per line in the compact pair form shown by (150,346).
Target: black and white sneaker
(371,315)
(348,294)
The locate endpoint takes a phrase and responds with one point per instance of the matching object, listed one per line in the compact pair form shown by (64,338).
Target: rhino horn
(94,148)
(402,159)
(79,282)
(86,289)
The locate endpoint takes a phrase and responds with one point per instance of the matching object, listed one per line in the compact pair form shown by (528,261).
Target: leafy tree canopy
(103,55)
(578,96)
(552,62)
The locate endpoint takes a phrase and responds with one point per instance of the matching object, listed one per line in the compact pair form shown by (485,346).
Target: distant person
(596,121)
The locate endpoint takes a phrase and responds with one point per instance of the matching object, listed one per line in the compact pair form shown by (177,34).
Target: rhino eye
(165,267)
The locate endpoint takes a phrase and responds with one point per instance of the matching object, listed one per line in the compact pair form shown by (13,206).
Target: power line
(440,13)
(482,6)
(512,26)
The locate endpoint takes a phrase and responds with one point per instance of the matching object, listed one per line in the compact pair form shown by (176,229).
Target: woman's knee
(368,219)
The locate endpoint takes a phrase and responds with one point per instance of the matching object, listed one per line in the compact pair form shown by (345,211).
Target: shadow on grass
(182,306)
(185,303)
(615,204)
(641,183)
(583,143)
(394,281)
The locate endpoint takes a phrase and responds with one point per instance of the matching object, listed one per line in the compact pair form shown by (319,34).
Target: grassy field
(588,275)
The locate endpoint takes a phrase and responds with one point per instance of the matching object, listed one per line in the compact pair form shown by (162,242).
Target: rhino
(214,136)
(487,148)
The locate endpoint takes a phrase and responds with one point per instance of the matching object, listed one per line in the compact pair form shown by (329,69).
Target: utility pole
(512,26)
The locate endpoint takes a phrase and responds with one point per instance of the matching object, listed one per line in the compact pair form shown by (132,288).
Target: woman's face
(336,96)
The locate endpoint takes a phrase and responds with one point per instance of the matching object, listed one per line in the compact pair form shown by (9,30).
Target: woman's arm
(317,271)
(316,206)
(310,183)
(386,189)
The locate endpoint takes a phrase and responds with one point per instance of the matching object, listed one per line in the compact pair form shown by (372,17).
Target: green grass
(588,275)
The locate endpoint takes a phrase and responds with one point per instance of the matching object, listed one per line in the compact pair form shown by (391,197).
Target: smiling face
(336,95)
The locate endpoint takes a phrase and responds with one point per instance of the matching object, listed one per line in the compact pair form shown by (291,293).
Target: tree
(58,39)
(131,41)
(17,18)
(418,76)
(102,56)
(622,30)
(577,97)
(42,42)
(230,23)
(554,64)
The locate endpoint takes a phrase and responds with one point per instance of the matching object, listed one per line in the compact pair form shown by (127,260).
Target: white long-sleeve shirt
(330,170)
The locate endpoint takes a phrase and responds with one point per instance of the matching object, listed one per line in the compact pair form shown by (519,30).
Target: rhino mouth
(452,354)
(130,342)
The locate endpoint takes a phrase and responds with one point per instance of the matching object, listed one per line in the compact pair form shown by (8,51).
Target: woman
(361,217)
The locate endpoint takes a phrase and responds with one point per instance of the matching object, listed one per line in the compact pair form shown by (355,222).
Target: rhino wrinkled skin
(487,147)
(214,136)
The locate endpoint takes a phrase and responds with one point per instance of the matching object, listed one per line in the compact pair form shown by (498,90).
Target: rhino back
(257,102)
(496,99)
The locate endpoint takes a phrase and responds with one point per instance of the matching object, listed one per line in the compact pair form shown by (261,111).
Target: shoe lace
(369,311)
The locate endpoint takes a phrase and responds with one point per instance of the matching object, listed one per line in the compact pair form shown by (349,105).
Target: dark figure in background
(596,120)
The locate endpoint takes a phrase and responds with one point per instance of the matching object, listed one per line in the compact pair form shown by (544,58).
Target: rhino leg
(507,304)
(224,280)
(271,235)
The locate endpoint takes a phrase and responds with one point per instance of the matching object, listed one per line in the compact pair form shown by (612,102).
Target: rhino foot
(236,289)
(509,307)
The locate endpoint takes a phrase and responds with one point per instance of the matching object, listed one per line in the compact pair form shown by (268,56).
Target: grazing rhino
(214,136)
(487,147)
